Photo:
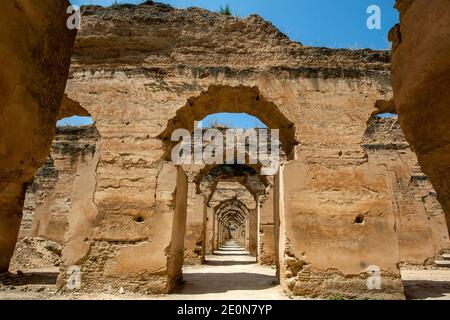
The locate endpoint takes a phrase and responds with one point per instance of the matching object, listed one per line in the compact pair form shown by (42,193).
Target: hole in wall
(139,219)
(359,219)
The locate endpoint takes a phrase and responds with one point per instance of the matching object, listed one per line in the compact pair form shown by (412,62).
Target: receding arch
(248,176)
(233,212)
(232,204)
(229,99)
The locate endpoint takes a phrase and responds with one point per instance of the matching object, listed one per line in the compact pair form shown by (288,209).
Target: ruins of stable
(349,195)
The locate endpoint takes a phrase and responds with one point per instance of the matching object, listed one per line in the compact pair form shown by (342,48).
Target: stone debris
(35,253)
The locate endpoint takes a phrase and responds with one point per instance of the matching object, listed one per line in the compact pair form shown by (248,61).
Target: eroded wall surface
(49,197)
(35,50)
(267,254)
(326,96)
(193,244)
(350,202)
(133,91)
(420,79)
(419,218)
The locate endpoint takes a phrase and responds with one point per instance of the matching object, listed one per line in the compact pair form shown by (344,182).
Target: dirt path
(228,278)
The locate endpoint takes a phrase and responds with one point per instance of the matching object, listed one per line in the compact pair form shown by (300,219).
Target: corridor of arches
(233,203)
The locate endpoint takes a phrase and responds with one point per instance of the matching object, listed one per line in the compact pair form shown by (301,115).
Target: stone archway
(240,99)
(235,211)
(217,99)
(208,181)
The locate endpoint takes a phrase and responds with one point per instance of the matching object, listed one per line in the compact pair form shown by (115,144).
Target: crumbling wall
(331,184)
(421,88)
(419,219)
(267,254)
(48,199)
(320,99)
(193,244)
(36,195)
(382,189)
(36,47)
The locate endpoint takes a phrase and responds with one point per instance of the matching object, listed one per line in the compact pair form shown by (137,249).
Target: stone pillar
(421,88)
(242,235)
(258,223)
(247,232)
(204,227)
(194,242)
(175,259)
(253,230)
(209,232)
(11,203)
(216,231)
(278,210)
(36,47)
(266,232)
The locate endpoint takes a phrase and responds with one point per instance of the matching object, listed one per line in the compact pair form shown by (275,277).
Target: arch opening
(50,197)
(227,99)
(230,193)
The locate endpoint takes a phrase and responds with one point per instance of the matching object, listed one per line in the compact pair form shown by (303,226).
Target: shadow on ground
(426,289)
(44,278)
(200,283)
(227,263)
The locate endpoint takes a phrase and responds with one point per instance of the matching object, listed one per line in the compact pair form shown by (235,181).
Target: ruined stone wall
(136,66)
(193,245)
(133,91)
(43,184)
(267,254)
(421,88)
(36,47)
(419,219)
(391,194)
(49,196)
(421,227)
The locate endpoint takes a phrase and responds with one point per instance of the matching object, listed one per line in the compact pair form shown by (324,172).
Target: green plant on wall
(226,10)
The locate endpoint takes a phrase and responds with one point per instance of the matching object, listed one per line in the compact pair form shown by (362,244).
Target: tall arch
(219,99)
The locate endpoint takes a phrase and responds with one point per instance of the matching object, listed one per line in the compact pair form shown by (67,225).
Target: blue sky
(75,121)
(233,120)
(327,23)
(323,23)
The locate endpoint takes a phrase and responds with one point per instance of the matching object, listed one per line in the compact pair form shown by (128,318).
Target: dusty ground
(222,277)
(431,284)
(230,277)
(225,278)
